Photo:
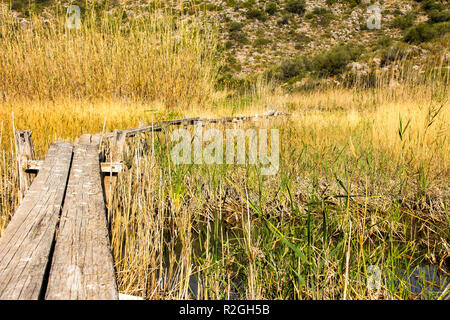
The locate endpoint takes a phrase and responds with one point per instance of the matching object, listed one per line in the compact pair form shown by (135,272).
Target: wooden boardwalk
(26,245)
(56,246)
(82,266)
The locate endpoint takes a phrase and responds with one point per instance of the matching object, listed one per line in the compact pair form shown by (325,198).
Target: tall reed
(153,55)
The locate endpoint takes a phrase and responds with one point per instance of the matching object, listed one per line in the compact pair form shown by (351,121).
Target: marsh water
(423,282)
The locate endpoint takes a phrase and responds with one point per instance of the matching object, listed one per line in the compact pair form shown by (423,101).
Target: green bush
(255,14)
(420,33)
(429,5)
(320,10)
(283,21)
(238,36)
(384,42)
(213,7)
(228,44)
(292,68)
(321,16)
(404,22)
(301,40)
(436,16)
(248,4)
(324,64)
(296,6)
(235,26)
(271,8)
(442,28)
(353,3)
(261,42)
(335,60)
(331,2)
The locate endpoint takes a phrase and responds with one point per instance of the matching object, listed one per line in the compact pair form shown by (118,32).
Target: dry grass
(363,179)
(223,224)
(152,57)
(172,223)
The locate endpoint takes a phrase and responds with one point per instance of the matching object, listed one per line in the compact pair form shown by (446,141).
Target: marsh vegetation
(363,179)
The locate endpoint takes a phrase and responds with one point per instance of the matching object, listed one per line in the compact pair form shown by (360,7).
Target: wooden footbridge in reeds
(56,245)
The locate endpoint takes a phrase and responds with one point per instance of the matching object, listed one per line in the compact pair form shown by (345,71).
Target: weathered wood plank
(82,266)
(26,244)
(118,145)
(117,149)
(32,165)
(106,167)
(157,126)
(25,152)
(111,167)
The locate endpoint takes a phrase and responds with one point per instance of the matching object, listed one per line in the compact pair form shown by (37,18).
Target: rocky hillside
(296,39)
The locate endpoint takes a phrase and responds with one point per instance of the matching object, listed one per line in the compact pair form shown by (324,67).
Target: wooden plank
(157,126)
(82,266)
(118,144)
(25,152)
(111,167)
(117,148)
(26,244)
(33,165)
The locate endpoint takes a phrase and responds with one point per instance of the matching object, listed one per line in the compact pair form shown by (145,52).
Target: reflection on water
(426,282)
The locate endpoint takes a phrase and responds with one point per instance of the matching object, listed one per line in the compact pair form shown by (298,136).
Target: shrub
(296,6)
(320,10)
(261,42)
(321,15)
(302,38)
(335,60)
(331,2)
(420,33)
(228,44)
(404,22)
(384,42)
(442,28)
(328,63)
(436,16)
(231,63)
(271,8)
(353,3)
(283,21)
(291,68)
(255,14)
(239,36)
(235,26)
(213,7)
(248,4)
(429,5)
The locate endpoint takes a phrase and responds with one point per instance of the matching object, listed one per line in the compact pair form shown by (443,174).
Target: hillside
(296,40)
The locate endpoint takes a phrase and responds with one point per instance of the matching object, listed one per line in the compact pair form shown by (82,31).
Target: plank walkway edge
(26,244)
(82,266)
(56,245)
